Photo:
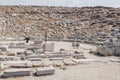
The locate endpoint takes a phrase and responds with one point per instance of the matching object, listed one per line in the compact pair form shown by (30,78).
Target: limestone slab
(45,71)
(16,72)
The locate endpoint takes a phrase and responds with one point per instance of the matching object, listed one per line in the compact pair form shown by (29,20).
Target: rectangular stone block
(36,56)
(58,55)
(84,60)
(45,71)
(49,47)
(17,64)
(78,56)
(34,59)
(9,58)
(12,54)
(16,72)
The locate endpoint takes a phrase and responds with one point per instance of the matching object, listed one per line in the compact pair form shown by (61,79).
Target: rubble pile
(111,46)
(92,23)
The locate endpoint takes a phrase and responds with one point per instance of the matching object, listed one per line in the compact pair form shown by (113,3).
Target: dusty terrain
(105,69)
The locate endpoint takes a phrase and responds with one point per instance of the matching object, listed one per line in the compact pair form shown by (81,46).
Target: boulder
(105,51)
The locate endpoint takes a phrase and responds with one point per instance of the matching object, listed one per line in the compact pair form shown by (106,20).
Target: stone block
(36,56)
(78,56)
(17,64)
(34,59)
(37,64)
(12,54)
(16,72)
(105,51)
(84,60)
(58,55)
(45,71)
(9,58)
(3,48)
(49,47)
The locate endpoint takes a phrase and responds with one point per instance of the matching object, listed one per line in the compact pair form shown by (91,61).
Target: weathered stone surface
(2,58)
(13,72)
(57,63)
(37,63)
(22,53)
(3,48)
(78,56)
(17,45)
(17,64)
(84,60)
(8,58)
(117,51)
(36,56)
(12,54)
(105,51)
(45,71)
(62,55)
(46,62)
(17,59)
(68,62)
(49,47)
(34,59)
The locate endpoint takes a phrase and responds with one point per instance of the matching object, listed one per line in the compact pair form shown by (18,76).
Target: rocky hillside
(90,22)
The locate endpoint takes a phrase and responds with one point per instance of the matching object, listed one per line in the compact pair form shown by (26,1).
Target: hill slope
(93,22)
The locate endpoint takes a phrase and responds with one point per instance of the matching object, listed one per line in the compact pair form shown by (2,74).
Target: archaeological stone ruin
(40,40)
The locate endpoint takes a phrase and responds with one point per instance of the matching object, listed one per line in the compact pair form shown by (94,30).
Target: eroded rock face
(95,23)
